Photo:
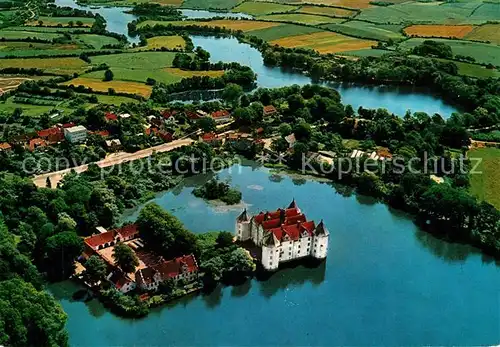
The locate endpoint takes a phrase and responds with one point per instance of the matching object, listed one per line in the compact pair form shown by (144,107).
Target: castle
(283,235)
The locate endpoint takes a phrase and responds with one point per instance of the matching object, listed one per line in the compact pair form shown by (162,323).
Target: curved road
(110,160)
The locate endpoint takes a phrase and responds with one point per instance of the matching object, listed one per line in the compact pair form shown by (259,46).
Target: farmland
(327,11)
(367,30)
(324,42)
(170,42)
(446,31)
(64,21)
(204,4)
(300,18)
(95,41)
(19,35)
(57,65)
(118,86)
(284,30)
(485,185)
(487,33)
(140,60)
(482,52)
(261,8)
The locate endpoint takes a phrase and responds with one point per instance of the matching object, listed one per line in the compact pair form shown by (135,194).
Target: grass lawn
(115,100)
(482,52)
(300,18)
(366,30)
(486,32)
(486,185)
(282,31)
(170,42)
(260,8)
(9,106)
(64,21)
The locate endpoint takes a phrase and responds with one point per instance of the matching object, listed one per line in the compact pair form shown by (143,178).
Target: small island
(216,190)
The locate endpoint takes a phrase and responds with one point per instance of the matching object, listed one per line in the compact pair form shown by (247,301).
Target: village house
(110,116)
(5,147)
(221,116)
(269,111)
(113,145)
(184,268)
(210,138)
(290,139)
(169,117)
(76,134)
(36,143)
(122,282)
(109,238)
(283,235)
(51,135)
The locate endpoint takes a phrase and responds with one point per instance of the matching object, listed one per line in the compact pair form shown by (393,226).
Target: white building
(283,235)
(76,134)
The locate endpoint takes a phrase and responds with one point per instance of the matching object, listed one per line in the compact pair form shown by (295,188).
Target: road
(110,160)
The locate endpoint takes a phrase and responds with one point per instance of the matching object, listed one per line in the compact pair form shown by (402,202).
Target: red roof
(220,114)
(35,143)
(269,109)
(4,146)
(69,125)
(47,132)
(100,239)
(165,135)
(259,130)
(127,231)
(119,279)
(172,268)
(192,115)
(167,114)
(111,116)
(209,136)
(103,133)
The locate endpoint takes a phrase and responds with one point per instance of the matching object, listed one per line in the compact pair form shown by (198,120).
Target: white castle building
(284,235)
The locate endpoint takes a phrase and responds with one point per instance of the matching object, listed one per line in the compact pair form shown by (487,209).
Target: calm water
(383,283)
(116,18)
(396,99)
(212,14)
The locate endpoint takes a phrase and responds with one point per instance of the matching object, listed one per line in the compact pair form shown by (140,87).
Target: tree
(202,54)
(241,261)
(30,317)
(224,239)
(108,75)
(95,270)
(279,145)
(207,124)
(285,129)
(79,23)
(62,249)
(232,93)
(65,222)
(302,131)
(125,258)
(167,287)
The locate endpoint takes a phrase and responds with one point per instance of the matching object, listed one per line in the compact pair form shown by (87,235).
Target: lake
(395,99)
(384,282)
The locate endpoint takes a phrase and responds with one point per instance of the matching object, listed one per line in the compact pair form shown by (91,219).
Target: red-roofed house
(168,116)
(110,116)
(103,240)
(128,232)
(193,115)
(5,147)
(184,268)
(121,281)
(36,143)
(51,135)
(210,138)
(165,136)
(221,116)
(283,235)
(269,110)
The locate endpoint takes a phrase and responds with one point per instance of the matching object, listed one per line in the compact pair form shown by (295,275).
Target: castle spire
(293,204)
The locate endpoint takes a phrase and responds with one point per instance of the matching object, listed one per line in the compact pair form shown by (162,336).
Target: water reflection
(449,252)
(242,289)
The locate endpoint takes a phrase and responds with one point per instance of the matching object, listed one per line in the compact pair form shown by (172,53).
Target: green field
(367,53)
(9,106)
(486,185)
(136,75)
(216,4)
(472,12)
(17,34)
(48,29)
(94,41)
(260,8)
(278,32)
(301,18)
(483,53)
(366,30)
(64,21)
(140,60)
(115,100)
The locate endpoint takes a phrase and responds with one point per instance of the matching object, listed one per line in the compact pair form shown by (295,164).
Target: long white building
(283,235)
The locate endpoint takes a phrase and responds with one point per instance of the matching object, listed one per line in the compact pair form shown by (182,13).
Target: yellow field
(118,86)
(55,65)
(244,25)
(170,42)
(185,74)
(325,42)
(447,31)
(327,11)
(486,32)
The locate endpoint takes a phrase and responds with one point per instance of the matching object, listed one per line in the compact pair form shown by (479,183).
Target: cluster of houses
(152,269)
(283,235)
(61,132)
